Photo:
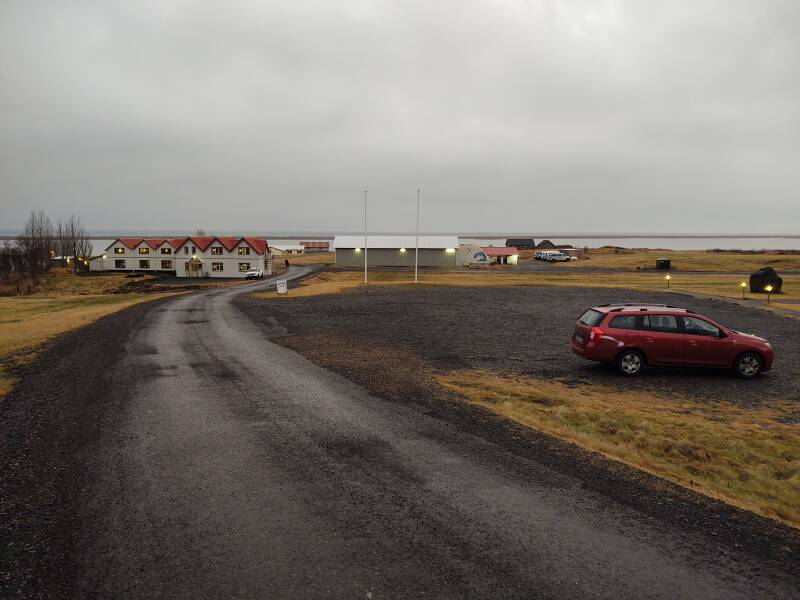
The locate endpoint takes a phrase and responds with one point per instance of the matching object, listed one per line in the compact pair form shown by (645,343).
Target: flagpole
(365,236)
(416,250)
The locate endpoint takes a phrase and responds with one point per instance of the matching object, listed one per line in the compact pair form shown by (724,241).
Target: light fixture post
(769,293)
(744,287)
(416,244)
(668,277)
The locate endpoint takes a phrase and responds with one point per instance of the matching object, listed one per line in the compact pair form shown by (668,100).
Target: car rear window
(591,317)
(624,322)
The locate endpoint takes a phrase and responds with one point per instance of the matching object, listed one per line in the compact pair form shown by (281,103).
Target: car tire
(748,365)
(630,363)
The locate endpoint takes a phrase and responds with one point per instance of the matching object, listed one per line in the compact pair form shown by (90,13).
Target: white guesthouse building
(193,256)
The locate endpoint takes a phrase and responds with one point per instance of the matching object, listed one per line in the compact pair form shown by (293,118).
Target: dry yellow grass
(688,260)
(27,322)
(58,282)
(747,457)
(727,285)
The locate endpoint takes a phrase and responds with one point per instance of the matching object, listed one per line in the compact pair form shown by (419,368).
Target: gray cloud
(588,116)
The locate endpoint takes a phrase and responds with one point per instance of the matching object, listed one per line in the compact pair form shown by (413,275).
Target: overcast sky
(512,116)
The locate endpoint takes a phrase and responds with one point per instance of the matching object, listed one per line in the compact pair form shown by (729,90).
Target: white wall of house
(217,260)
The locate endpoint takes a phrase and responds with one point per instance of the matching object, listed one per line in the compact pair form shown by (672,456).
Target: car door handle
(649,339)
(693,343)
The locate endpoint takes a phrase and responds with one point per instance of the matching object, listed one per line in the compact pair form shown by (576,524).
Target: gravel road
(173,451)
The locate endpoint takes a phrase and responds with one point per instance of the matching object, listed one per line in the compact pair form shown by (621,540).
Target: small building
(507,255)
(396,250)
(287,249)
(316,246)
(521,243)
(546,245)
(471,254)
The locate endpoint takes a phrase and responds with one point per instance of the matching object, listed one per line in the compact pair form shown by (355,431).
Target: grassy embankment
(726,285)
(61,302)
(747,457)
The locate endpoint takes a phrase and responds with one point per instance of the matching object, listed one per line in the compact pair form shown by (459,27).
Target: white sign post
(282,289)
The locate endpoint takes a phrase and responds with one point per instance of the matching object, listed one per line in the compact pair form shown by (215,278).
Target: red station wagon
(632,336)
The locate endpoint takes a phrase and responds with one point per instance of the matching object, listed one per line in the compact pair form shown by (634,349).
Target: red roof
(257,244)
(499,250)
(228,241)
(200,241)
(130,242)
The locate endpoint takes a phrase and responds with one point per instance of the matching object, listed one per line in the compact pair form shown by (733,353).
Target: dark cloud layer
(565,116)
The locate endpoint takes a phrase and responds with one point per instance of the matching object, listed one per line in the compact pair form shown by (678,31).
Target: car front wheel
(630,363)
(748,365)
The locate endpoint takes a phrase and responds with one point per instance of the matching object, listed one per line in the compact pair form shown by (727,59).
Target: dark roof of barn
(520,242)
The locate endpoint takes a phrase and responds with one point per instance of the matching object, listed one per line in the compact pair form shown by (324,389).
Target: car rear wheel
(630,363)
(748,365)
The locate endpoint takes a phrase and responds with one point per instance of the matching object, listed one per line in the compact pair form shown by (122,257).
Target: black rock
(764,277)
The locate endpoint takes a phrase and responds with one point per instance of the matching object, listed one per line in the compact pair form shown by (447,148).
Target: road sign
(282,289)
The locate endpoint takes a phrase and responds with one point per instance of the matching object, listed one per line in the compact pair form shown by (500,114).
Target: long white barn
(191,256)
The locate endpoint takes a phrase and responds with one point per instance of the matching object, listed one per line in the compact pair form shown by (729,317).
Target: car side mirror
(722,334)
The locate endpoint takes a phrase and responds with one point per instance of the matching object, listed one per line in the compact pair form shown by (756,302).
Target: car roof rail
(639,304)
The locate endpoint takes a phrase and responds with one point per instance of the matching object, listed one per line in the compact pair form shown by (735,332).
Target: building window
(186,249)
(144,250)
(216,250)
(217,267)
(194,249)
(144,264)
(244,251)
(186,266)
(119,264)
(166,251)
(119,250)
(166,264)
(243,266)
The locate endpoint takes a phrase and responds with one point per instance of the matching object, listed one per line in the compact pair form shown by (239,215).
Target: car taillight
(596,334)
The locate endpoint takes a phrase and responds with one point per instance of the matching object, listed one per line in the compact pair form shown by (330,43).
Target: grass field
(687,260)
(61,301)
(747,457)
(726,285)
(58,282)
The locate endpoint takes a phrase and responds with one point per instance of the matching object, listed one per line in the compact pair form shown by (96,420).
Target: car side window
(695,326)
(623,322)
(662,323)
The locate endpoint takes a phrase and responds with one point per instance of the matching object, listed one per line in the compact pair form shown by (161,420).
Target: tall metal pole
(365,236)
(416,250)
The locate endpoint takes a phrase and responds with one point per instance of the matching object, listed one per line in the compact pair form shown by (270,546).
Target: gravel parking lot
(518,329)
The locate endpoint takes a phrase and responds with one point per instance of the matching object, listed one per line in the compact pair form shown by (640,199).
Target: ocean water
(670,243)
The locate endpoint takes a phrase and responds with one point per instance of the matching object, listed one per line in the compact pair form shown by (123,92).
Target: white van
(554,256)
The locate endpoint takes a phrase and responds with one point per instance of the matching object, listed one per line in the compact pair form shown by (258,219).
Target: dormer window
(166,251)
(119,251)
(144,250)
(216,250)
(244,251)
